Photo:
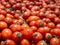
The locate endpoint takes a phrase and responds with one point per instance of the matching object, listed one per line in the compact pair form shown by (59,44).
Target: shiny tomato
(6,33)
(42,42)
(24,42)
(3,25)
(27,33)
(8,42)
(54,41)
(37,36)
(48,36)
(32,18)
(15,27)
(17,36)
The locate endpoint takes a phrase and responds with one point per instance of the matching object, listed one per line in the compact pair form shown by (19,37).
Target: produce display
(29,22)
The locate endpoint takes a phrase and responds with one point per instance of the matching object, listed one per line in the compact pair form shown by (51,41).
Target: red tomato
(17,36)
(37,36)
(15,27)
(58,26)
(51,25)
(48,36)
(34,28)
(3,25)
(6,33)
(32,18)
(42,42)
(54,41)
(8,20)
(55,31)
(27,33)
(24,42)
(2,17)
(8,42)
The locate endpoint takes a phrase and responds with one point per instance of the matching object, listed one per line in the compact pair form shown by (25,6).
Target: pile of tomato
(29,22)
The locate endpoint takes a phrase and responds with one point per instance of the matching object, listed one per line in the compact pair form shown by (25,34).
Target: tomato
(6,33)
(27,33)
(44,30)
(58,26)
(15,27)
(2,17)
(32,23)
(34,28)
(24,42)
(24,26)
(32,18)
(17,36)
(8,42)
(42,42)
(48,36)
(8,20)
(54,41)
(55,31)
(37,36)
(51,25)
(0,36)
(3,25)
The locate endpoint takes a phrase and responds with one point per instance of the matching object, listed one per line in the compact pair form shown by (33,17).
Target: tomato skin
(17,36)
(2,17)
(8,20)
(15,27)
(42,42)
(6,33)
(3,25)
(34,28)
(8,42)
(24,42)
(37,36)
(32,23)
(48,36)
(32,18)
(27,33)
(58,26)
(51,25)
(0,36)
(55,31)
(54,41)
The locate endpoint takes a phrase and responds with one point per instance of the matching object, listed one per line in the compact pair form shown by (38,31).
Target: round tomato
(54,41)
(24,42)
(6,33)
(3,25)
(15,27)
(37,36)
(42,42)
(17,36)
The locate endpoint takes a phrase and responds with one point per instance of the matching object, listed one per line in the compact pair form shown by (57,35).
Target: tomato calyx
(49,36)
(35,35)
(40,24)
(19,35)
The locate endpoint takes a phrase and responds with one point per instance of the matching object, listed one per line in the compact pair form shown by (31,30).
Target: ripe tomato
(24,42)
(27,33)
(2,17)
(17,36)
(42,42)
(6,33)
(51,25)
(15,27)
(8,42)
(0,36)
(48,36)
(58,26)
(55,31)
(3,25)
(34,28)
(54,41)
(32,18)
(8,20)
(37,36)
(24,26)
